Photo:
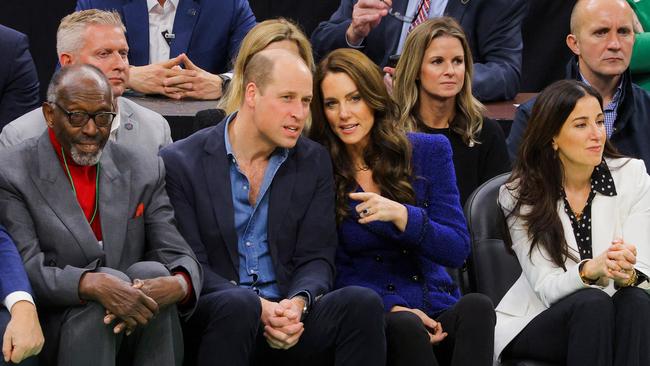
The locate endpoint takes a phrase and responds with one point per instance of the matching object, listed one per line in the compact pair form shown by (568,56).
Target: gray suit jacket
(139,126)
(40,211)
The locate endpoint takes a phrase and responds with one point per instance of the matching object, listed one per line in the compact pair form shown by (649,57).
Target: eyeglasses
(80,118)
(402,17)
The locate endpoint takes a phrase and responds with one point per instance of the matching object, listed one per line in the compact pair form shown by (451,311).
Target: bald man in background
(602,38)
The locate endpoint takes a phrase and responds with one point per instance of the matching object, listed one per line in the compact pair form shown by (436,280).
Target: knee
(477,308)
(114,273)
(632,300)
(237,303)
(147,270)
(592,302)
(362,299)
(404,325)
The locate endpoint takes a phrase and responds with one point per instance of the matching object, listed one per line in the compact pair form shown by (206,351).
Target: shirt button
(405,251)
(248,244)
(390,287)
(415,278)
(378,258)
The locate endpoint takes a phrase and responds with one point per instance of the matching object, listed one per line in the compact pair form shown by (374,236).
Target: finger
(109,318)
(429,323)
(172,62)
(375,4)
(272,342)
(389,70)
(361,196)
(149,303)
(188,63)
(279,321)
(275,333)
(6,346)
(177,95)
(138,283)
(291,341)
(370,18)
(437,338)
(183,78)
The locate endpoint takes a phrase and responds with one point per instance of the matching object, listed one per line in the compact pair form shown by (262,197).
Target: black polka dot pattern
(601,183)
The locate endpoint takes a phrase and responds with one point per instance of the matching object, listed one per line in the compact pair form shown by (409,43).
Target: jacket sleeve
(437,230)
(497,65)
(19,94)
(549,282)
(12,273)
(317,238)
(330,34)
(178,186)
(242,21)
(635,227)
(518,128)
(164,242)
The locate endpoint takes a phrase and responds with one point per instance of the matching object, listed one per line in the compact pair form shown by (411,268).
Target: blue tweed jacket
(408,268)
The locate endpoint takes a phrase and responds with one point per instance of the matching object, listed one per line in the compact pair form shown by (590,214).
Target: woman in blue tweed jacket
(400,220)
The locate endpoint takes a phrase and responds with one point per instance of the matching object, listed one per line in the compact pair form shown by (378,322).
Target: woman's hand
(617,263)
(436,335)
(377,208)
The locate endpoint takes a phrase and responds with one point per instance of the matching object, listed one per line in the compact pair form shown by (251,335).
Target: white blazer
(542,283)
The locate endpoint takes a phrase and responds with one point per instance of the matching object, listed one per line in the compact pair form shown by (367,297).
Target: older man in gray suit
(96,232)
(97,37)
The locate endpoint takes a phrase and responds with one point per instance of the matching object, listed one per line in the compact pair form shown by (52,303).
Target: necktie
(423,14)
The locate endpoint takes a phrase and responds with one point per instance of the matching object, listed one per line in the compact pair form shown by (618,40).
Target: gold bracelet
(583,276)
(633,278)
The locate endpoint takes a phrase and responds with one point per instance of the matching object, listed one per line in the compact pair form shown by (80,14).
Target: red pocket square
(139,210)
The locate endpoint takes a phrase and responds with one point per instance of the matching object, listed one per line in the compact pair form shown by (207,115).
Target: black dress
(477,164)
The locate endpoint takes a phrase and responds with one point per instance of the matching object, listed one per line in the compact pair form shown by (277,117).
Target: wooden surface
(506,110)
(171,107)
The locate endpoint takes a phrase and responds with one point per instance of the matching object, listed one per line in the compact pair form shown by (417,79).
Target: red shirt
(84,179)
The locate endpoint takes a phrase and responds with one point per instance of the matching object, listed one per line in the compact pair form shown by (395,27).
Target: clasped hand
(366,15)
(169,79)
(434,328)
(282,325)
(617,263)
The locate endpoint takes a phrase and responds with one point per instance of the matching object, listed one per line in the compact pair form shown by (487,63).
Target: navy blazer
(493,29)
(12,272)
(18,79)
(208,31)
(301,228)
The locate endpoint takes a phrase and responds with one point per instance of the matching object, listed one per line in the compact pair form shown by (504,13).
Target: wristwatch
(305,307)
(225,81)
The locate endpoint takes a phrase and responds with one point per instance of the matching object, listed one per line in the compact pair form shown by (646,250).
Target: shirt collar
(278,151)
(601,180)
(152,3)
(617,94)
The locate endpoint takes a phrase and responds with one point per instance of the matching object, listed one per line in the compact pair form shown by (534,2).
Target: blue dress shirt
(251,222)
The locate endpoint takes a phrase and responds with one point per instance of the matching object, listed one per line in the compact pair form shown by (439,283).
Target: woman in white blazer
(579,220)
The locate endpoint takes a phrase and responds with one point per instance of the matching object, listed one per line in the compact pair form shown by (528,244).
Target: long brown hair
(388,153)
(537,176)
(468,121)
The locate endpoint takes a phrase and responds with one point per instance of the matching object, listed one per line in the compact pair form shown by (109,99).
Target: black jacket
(631,134)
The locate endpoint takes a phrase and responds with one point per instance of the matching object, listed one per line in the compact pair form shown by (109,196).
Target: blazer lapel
(187,14)
(279,201)
(136,20)
(114,192)
(55,189)
(456,9)
(127,133)
(217,175)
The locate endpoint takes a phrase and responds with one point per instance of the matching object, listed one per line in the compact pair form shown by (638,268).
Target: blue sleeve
(436,227)
(243,20)
(83,5)
(518,128)
(497,66)
(19,93)
(12,272)
(330,34)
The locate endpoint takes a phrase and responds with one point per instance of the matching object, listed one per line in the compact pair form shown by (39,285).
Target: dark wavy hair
(537,176)
(388,153)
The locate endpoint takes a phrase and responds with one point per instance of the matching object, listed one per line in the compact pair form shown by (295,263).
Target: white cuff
(16,296)
(357,46)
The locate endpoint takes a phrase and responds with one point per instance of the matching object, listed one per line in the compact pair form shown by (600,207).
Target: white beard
(85,159)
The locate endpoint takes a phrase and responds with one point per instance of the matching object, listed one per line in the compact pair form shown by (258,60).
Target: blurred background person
(433,87)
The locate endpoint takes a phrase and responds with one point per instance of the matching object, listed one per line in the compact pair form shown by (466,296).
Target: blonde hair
(257,39)
(69,36)
(469,117)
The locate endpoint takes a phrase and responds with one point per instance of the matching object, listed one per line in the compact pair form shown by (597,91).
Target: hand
(23,337)
(366,15)
(622,259)
(194,82)
(282,325)
(389,74)
(377,208)
(434,328)
(119,298)
(150,79)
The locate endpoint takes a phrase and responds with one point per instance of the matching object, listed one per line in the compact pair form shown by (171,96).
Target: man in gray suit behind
(96,37)
(96,232)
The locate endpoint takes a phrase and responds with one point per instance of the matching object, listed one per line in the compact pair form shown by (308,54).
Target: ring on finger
(365,212)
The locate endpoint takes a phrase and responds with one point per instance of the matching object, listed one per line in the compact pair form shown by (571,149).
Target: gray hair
(87,70)
(69,37)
